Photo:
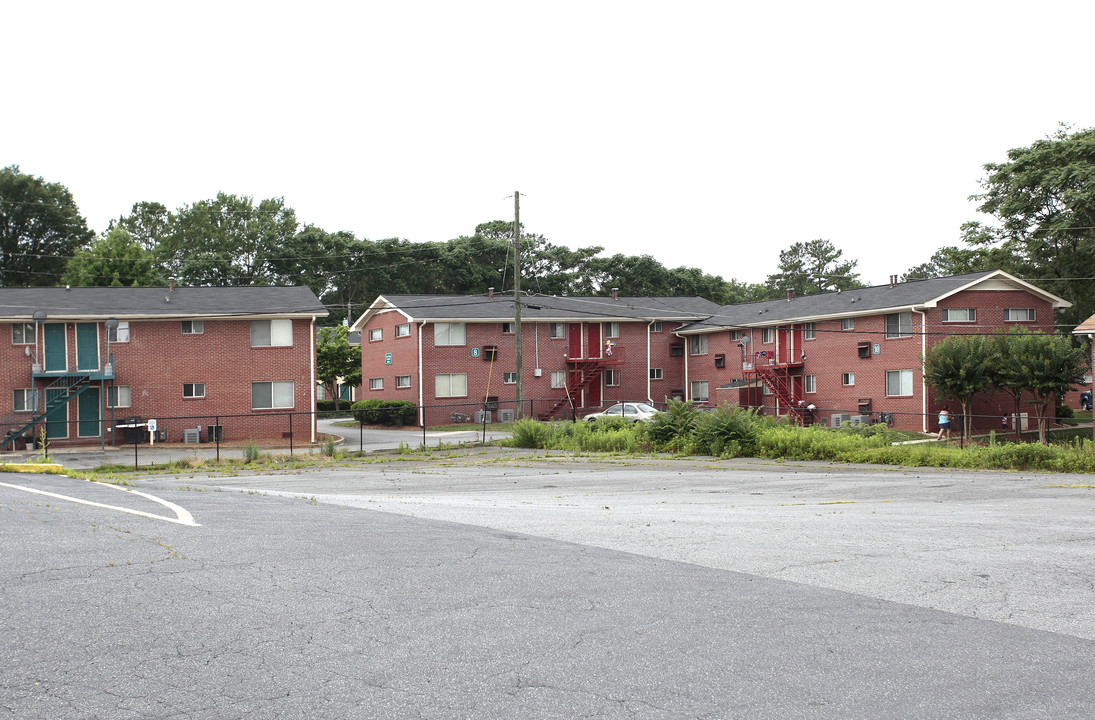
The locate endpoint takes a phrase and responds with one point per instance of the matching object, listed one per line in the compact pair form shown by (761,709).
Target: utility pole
(517,304)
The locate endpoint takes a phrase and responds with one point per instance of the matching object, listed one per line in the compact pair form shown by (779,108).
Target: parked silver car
(628,411)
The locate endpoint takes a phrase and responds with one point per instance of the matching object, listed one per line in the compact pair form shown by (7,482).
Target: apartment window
(25,399)
(448,334)
(450,385)
(271,333)
(809,383)
(612,378)
(376,334)
(509,328)
(612,330)
(697,345)
(403,330)
(269,395)
(899,325)
(809,332)
(767,335)
(847,378)
(735,335)
(118,397)
(193,327)
(402,381)
(699,390)
(509,378)
(899,382)
(959,314)
(655,373)
(376,383)
(558,378)
(557,331)
(119,334)
(22,334)
(847,324)
(767,390)
(193,390)
(656,326)
(1019,315)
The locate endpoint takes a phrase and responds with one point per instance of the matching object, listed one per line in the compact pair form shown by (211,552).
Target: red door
(783,345)
(574,336)
(593,349)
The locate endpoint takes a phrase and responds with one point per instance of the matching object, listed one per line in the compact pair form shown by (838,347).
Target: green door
(56,352)
(57,418)
(87,346)
(88,413)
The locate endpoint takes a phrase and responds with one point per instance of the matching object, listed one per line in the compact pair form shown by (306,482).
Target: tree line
(1043,199)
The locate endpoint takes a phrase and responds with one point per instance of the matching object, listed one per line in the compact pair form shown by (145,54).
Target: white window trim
(809,384)
(899,334)
(32,392)
(376,334)
(809,331)
(706,393)
(279,335)
(28,338)
(971,315)
(193,387)
(376,383)
(402,385)
(403,330)
(121,333)
(847,324)
(509,378)
(116,389)
(767,336)
(273,405)
(701,342)
(1008,312)
(847,376)
(197,327)
(446,333)
(656,374)
(562,331)
(911,388)
(450,376)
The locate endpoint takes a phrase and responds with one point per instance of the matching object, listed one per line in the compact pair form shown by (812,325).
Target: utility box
(505,416)
(482,416)
(192,436)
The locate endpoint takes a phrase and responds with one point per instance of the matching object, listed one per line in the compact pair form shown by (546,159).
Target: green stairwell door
(56,351)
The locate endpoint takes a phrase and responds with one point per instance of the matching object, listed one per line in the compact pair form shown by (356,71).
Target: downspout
(421,388)
(315,416)
(648,398)
(923,354)
(687,385)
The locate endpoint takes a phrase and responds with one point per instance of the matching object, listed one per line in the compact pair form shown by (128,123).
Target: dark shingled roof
(849,303)
(158,302)
(545,307)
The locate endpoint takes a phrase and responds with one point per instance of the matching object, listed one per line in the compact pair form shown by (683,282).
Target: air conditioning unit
(482,416)
(859,420)
(838,420)
(192,436)
(505,416)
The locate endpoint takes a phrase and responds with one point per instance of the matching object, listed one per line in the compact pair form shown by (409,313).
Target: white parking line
(182,517)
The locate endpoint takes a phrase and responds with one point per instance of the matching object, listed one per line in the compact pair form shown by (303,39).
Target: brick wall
(158,359)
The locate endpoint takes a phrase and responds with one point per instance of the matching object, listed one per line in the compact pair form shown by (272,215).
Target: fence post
(423,426)
(290,434)
(218,440)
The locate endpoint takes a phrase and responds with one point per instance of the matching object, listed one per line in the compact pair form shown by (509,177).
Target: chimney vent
(490,293)
(790,295)
(615,293)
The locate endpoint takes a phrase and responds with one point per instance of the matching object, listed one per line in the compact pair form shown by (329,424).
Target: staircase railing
(58,393)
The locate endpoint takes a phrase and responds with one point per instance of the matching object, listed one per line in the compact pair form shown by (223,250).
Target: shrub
(727,432)
(1064,411)
(672,429)
(528,433)
(251,452)
(384,412)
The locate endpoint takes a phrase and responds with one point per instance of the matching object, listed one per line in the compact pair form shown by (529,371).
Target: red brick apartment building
(452,352)
(73,360)
(854,355)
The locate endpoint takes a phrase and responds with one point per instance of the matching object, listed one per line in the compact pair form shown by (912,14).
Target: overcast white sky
(709,134)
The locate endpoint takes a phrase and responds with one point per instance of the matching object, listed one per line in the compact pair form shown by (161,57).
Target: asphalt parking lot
(492,584)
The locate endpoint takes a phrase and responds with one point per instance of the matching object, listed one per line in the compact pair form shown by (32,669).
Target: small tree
(337,359)
(1051,366)
(958,368)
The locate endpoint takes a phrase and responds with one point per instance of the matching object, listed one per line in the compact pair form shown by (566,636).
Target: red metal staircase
(777,378)
(582,373)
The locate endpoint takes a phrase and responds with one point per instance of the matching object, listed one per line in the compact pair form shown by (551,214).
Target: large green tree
(813,267)
(228,240)
(115,259)
(1045,365)
(40,228)
(1043,200)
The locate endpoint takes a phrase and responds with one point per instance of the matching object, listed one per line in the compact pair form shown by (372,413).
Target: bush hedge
(384,412)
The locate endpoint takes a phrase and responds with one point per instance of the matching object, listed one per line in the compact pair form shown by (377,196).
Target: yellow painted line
(1070,486)
(182,517)
(838,502)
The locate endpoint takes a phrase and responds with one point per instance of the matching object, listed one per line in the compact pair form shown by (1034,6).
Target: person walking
(944,424)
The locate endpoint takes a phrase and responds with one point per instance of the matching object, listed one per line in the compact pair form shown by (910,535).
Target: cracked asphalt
(501,585)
